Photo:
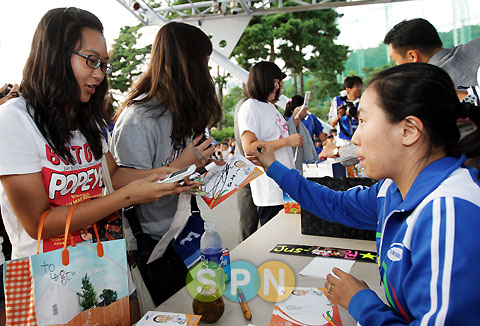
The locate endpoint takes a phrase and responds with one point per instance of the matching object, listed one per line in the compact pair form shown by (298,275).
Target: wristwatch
(335,151)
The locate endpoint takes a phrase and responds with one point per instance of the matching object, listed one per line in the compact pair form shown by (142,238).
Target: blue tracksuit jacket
(427,244)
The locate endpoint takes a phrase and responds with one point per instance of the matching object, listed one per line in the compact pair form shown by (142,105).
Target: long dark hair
(178,77)
(427,92)
(50,87)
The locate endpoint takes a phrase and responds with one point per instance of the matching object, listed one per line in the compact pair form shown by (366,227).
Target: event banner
(314,251)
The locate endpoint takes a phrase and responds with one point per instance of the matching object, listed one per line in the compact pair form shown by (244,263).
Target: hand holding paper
(342,287)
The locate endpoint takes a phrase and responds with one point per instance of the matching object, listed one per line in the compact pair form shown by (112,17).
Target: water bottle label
(226,263)
(212,257)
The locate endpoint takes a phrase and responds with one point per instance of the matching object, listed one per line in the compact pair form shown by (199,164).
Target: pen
(195,175)
(202,171)
(244,305)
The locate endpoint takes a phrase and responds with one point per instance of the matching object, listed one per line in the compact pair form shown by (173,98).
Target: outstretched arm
(29,188)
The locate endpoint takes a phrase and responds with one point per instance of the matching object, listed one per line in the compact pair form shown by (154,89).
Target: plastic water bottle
(211,247)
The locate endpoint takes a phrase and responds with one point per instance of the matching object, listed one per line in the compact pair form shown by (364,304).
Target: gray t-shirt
(461,62)
(141,139)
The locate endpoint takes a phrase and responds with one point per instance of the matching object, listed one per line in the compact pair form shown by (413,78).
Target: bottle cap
(210,226)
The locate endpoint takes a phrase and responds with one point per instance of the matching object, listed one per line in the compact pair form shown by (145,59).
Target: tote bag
(77,285)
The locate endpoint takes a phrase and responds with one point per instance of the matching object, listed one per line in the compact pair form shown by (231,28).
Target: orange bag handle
(41,223)
(65,255)
(67,236)
(40,228)
(99,244)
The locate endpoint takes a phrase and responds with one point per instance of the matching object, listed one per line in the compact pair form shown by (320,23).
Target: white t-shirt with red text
(24,150)
(267,123)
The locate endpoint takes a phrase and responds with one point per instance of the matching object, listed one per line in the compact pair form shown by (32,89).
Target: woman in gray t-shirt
(172,103)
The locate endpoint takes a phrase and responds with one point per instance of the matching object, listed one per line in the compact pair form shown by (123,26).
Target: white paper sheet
(320,267)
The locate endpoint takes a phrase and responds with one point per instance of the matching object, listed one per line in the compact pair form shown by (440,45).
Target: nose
(356,137)
(98,74)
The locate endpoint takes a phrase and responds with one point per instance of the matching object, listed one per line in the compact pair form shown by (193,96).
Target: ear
(412,130)
(414,56)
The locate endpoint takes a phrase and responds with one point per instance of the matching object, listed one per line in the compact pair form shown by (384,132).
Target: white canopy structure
(225,20)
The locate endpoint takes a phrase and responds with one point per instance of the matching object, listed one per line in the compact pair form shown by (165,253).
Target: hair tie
(289,101)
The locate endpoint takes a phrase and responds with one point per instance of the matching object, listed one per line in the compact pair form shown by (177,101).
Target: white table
(284,228)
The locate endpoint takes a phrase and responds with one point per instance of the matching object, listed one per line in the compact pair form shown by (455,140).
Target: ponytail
(470,144)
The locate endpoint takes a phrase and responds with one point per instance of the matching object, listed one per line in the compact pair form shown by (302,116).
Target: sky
(361,26)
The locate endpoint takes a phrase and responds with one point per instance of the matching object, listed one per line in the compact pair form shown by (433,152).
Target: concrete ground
(226,218)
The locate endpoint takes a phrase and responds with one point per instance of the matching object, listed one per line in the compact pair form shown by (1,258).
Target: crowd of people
(408,129)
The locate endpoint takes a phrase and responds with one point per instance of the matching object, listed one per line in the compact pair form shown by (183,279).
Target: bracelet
(197,154)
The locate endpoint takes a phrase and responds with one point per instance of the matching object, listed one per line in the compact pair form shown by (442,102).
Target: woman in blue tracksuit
(425,208)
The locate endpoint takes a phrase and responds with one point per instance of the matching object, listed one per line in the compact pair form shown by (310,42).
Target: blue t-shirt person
(348,124)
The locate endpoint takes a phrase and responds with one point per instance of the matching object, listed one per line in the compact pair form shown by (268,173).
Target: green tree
(304,40)
(89,296)
(256,43)
(221,81)
(108,296)
(307,44)
(229,103)
(127,60)
(369,72)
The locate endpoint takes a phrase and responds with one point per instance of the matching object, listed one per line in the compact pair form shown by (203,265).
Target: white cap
(209,225)
(209,166)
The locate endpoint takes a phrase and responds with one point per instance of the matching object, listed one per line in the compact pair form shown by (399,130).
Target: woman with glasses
(260,121)
(161,123)
(51,137)
(425,207)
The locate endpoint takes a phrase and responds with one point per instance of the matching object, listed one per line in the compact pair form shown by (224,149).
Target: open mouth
(91,89)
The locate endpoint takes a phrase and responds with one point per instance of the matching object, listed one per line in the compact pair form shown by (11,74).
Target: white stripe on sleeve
(448,263)
(434,252)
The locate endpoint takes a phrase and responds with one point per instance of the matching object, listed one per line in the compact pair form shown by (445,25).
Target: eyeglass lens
(95,62)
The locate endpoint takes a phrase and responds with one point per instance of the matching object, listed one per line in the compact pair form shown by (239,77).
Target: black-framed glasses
(94,62)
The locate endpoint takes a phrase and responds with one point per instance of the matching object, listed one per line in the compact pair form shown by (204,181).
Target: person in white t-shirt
(260,121)
(51,138)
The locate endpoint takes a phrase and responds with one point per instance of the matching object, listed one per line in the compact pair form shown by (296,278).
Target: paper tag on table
(320,267)
(168,318)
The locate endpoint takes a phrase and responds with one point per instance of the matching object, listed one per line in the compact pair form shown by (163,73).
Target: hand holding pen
(263,156)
